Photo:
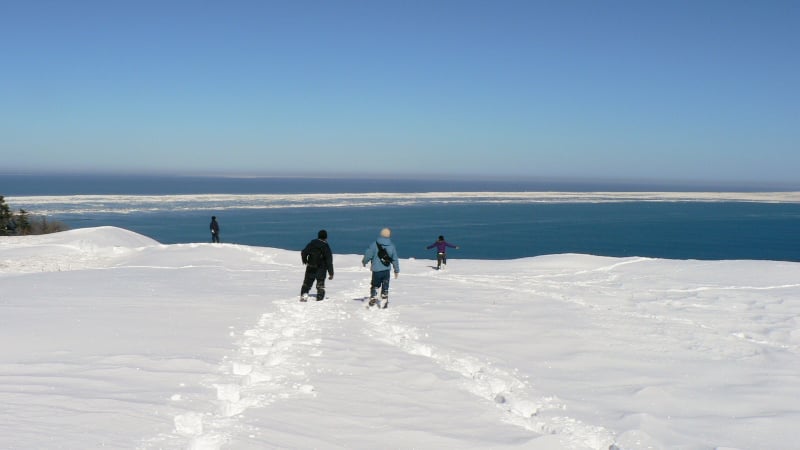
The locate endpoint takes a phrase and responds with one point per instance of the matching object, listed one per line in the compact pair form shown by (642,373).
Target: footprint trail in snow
(272,361)
(503,388)
(269,364)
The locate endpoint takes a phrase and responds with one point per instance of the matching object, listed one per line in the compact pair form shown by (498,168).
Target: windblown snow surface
(113,340)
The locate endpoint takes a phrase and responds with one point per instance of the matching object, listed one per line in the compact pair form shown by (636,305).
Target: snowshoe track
(498,387)
(268,365)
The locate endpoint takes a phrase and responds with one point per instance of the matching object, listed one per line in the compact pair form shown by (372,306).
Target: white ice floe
(126,204)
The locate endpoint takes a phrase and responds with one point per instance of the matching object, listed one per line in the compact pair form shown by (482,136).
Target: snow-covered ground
(113,340)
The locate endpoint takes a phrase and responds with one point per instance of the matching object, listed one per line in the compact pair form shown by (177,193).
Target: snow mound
(69,250)
(102,237)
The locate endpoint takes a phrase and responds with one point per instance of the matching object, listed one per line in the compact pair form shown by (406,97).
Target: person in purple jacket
(441,251)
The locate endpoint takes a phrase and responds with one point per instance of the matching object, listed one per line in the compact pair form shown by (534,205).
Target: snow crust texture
(205,346)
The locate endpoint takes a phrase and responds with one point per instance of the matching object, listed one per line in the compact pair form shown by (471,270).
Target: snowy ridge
(206,347)
(70,250)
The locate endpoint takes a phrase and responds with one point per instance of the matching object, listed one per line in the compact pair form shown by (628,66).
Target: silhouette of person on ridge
(214,226)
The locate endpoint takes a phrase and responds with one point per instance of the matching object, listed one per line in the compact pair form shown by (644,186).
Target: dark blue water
(732,230)
(83,184)
(675,230)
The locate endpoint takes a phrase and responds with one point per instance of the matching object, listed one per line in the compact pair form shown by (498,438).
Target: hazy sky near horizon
(678,90)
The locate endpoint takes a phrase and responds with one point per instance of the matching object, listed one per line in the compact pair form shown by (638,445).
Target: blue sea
(488,219)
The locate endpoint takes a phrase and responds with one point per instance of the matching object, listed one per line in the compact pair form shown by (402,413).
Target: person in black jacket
(214,226)
(318,259)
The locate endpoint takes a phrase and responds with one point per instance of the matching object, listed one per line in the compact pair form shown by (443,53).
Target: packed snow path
(275,362)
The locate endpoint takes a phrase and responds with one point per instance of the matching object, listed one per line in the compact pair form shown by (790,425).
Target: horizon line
(727,184)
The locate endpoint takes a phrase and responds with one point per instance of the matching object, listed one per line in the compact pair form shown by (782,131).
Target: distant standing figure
(380,271)
(441,251)
(214,230)
(318,259)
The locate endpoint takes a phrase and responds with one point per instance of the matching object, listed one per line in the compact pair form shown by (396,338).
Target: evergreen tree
(23,223)
(5,216)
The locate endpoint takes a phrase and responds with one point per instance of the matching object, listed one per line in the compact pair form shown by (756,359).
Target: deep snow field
(112,340)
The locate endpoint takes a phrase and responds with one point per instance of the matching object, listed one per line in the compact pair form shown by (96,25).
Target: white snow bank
(68,250)
(113,340)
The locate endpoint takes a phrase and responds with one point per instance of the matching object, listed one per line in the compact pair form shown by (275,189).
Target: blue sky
(676,90)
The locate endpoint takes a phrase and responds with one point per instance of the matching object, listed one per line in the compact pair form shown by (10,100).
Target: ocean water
(487,219)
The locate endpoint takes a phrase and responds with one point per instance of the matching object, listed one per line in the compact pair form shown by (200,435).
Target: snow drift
(112,339)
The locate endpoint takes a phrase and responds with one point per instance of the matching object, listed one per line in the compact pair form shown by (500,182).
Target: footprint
(189,424)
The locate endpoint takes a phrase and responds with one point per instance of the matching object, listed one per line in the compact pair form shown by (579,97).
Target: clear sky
(671,90)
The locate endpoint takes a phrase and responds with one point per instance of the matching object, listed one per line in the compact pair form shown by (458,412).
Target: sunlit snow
(113,340)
